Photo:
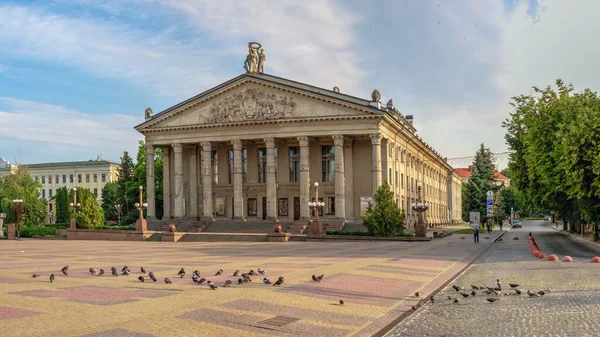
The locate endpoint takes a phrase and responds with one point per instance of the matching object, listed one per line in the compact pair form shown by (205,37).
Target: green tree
(110,198)
(62,205)
(510,198)
(126,181)
(385,218)
(505,172)
(21,185)
(89,213)
(482,180)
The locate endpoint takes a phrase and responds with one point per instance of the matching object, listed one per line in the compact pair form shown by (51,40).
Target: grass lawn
(470,230)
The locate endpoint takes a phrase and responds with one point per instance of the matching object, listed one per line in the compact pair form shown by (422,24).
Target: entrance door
(296,208)
(232,208)
(264,208)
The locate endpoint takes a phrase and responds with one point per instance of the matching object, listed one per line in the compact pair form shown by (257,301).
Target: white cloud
(50,126)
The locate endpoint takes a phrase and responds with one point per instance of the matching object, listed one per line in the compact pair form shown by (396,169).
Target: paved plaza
(377,281)
(572,307)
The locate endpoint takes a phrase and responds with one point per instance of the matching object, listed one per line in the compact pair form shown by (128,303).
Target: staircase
(184,225)
(250,226)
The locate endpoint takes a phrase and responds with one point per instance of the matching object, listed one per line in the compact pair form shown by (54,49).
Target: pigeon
(532,294)
(278,282)
(432,300)
(417,294)
(240,281)
(101,272)
(457,288)
(474,287)
(245,275)
(456,300)
(518,291)
(167,281)
(125,272)
(262,271)
(236,273)
(152,277)
(482,287)
(414,307)
(35,275)
(141,278)
(246,279)
(51,278)
(320,277)
(315,278)
(200,281)
(341,301)
(449,297)
(252,272)
(465,295)
(65,270)
(142,270)
(212,285)
(124,269)
(181,273)
(499,284)
(93,271)
(492,300)
(541,293)
(266,281)
(219,272)
(227,283)
(114,271)
(195,278)
(473,293)
(196,272)
(513,285)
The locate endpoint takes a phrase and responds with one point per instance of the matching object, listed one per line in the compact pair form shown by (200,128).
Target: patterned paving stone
(10,312)
(118,332)
(95,295)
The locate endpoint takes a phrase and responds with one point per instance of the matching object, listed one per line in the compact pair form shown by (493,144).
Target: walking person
(475,232)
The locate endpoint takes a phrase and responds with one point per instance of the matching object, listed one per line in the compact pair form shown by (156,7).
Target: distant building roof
(466,173)
(71,163)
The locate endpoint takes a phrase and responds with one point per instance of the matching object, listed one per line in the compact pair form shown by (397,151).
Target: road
(571,308)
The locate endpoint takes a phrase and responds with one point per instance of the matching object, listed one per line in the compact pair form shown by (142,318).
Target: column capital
(237,144)
(149,149)
(192,147)
(177,147)
(304,140)
(270,142)
(166,150)
(338,140)
(206,146)
(375,138)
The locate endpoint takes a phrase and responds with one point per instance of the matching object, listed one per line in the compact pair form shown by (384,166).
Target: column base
(141,225)
(420,230)
(317,227)
(73,223)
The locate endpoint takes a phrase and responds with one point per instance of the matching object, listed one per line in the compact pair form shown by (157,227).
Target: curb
(390,326)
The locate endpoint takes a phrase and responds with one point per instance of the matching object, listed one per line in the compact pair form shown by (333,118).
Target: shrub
(385,219)
(29,231)
(118,228)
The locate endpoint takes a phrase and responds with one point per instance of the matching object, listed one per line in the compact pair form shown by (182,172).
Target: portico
(251,148)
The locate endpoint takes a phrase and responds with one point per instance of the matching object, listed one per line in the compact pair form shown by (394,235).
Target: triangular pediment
(252,99)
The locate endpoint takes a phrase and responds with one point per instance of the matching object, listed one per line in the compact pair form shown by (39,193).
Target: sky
(77,75)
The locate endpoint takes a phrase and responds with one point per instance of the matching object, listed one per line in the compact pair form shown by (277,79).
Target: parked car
(516,224)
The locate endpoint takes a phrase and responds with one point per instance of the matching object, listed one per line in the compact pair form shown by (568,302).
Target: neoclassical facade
(252,148)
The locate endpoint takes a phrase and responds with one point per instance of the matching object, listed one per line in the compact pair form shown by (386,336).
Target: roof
(277,80)
(466,173)
(71,163)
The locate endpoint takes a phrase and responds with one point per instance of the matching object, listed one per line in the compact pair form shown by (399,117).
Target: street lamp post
(118,208)
(2,217)
(141,225)
(18,203)
(75,205)
(317,226)
(420,207)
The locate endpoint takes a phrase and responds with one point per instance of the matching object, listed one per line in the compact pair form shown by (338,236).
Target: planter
(277,228)
(317,227)
(172,228)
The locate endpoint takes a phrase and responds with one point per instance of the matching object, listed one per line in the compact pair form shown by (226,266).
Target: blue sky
(77,75)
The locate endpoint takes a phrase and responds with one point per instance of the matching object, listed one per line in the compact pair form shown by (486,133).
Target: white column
(193,213)
(340,179)
(150,182)
(238,180)
(271,183)
(207,181)
(304,177)
(178,175)
(166,183)
(349,174)
(375,161)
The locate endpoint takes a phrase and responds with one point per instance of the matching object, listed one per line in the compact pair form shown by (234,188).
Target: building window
(327,163)
(252,207)
(43,193)
(64,178)
(96,192)
(390,176)
(294,154)
(49,179)
(262,165)
(57,179)
(215,166)
(103,177)
(331,205)
(71,178)
(95,178)
(244,165)
(79,178)
(87,178)
(50,193)
(396,179)
(43,179)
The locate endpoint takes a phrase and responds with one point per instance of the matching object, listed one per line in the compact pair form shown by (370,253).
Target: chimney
(409,119)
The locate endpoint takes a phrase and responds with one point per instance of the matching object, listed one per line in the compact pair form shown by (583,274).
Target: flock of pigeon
(243,277)
(496,291)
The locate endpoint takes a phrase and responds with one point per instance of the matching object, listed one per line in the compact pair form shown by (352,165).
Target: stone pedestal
(10,234)
(73,223)
(141,225)
(317,227)
(420,230)
(278,237)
